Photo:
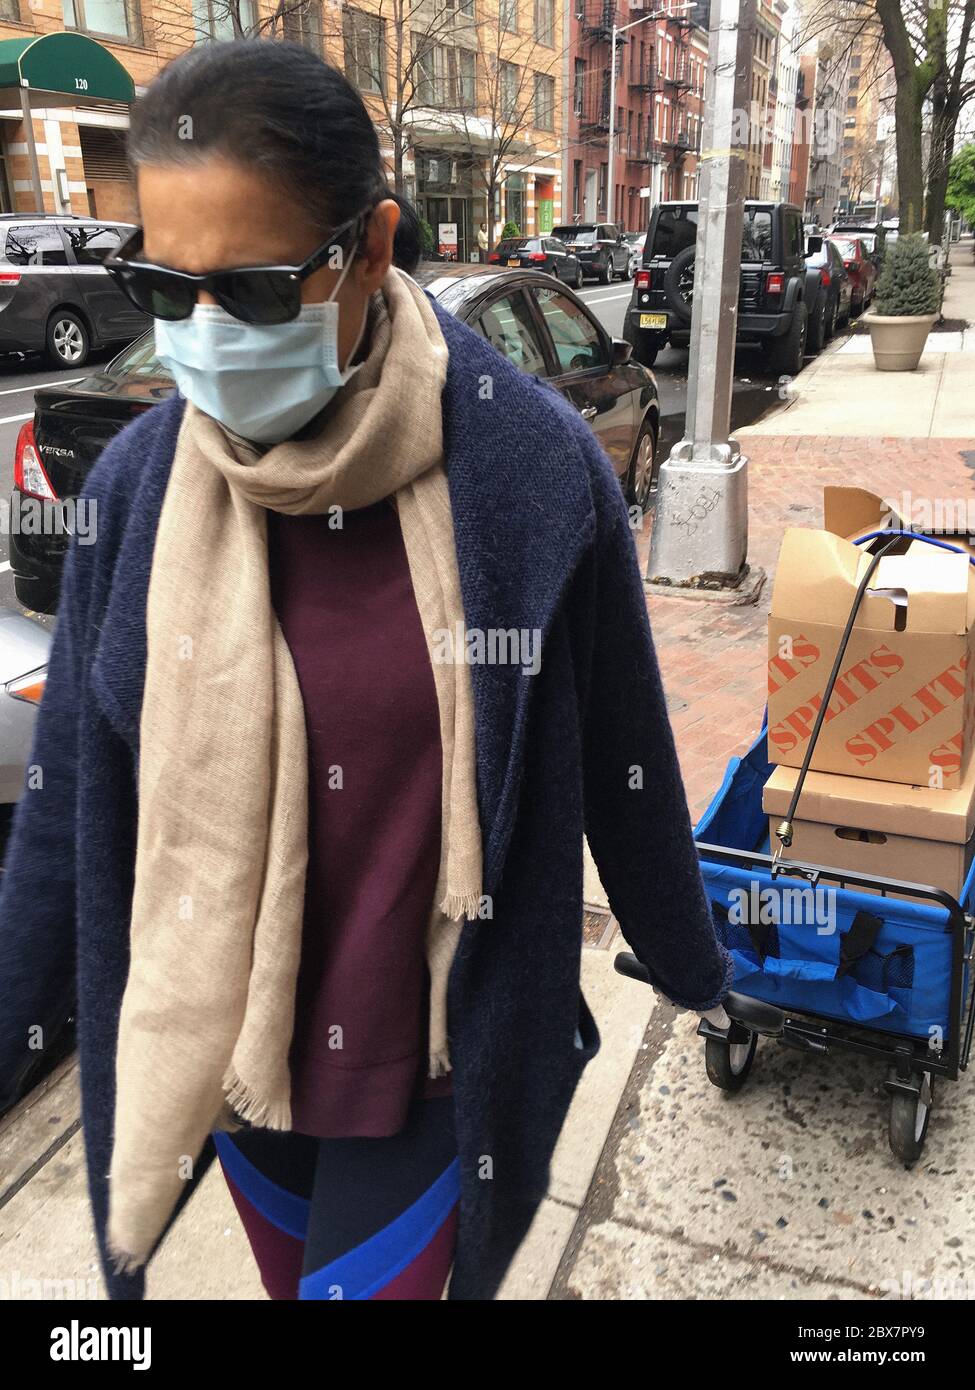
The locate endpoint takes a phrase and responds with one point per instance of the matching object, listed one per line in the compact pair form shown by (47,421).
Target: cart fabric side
(880,962)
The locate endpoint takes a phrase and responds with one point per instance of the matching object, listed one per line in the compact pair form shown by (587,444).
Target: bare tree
(861,165)
(515,73)
(926,47)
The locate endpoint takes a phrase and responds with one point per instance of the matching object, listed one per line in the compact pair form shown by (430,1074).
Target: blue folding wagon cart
(883,975)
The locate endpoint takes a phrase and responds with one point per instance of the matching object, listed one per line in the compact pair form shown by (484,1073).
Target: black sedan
(827,293)
(533,319)
(545,253)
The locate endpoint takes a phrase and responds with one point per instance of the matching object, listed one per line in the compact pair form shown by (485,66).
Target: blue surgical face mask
(263,381)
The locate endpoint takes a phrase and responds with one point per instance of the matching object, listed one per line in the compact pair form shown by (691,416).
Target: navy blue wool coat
(543,543)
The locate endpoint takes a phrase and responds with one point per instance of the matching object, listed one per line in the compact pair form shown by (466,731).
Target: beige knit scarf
(208,1013)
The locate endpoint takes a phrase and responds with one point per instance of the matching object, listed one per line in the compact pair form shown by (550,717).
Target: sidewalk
(662,1187)
(788,1190)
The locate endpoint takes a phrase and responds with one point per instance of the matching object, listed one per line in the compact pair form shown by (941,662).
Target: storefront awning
(59,70)
(69,69)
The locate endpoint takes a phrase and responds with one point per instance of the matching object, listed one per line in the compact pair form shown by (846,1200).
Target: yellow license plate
(653,320)
(515,262)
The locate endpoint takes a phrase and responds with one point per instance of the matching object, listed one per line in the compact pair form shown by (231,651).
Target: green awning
(71,65)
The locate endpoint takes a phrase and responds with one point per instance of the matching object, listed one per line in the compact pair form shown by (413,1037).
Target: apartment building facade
(825,88)
(866,173)
(661,71)
(463,101)
(783,118)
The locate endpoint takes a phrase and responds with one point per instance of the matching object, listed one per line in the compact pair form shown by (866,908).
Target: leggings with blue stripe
(349,1218)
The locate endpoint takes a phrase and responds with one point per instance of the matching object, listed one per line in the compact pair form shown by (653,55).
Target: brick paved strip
(713,657)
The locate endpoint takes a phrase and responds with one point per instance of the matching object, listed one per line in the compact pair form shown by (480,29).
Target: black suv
(600,249)
(56,296)
(771,308)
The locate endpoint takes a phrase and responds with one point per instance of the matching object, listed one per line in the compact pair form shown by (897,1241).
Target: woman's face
(218,214)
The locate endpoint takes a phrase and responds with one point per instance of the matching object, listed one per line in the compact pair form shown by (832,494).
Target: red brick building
(661,67)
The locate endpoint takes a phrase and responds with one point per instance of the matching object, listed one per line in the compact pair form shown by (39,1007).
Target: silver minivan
(55,295)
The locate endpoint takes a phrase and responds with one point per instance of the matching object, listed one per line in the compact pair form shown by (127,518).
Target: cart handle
(753,1014)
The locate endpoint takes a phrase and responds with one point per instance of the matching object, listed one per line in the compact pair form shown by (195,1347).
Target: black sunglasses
(253,294)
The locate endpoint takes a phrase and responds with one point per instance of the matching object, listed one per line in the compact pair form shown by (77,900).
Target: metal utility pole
(611,153)
(700,535)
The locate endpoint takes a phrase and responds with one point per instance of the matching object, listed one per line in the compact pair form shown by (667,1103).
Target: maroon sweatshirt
(345,602)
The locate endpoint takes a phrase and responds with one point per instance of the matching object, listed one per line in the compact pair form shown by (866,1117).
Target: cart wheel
(909,1117)
(729,1063)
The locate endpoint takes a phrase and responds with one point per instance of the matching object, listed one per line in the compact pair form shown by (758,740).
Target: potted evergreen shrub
(907,304)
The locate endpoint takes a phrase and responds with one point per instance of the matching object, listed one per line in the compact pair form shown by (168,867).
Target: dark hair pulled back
(278,107)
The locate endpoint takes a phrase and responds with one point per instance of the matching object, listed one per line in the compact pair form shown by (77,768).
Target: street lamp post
(700,534)
(617,30)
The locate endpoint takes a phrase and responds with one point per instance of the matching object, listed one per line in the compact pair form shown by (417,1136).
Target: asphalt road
(754,389)
(753,393)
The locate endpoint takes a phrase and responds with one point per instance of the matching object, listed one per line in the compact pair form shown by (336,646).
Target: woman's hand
(717,1016)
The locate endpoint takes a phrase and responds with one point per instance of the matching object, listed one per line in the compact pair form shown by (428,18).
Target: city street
(754,393)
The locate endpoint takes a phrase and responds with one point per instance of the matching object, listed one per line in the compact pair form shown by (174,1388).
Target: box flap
(938,587)
(892,807)
(852,512)
(818,572)
(816,577)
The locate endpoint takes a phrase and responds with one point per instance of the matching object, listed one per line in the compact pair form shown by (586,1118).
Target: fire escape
(597,18)
(645,77)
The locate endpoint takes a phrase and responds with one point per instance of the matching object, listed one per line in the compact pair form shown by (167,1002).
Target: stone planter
(898,341)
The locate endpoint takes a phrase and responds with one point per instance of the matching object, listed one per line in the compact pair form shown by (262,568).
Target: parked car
(859,267)
(538,253)
(828,291)
(872,235)
(55,296)
(530,317)
(599,247)
(636,241)
(24,652)
(771,295)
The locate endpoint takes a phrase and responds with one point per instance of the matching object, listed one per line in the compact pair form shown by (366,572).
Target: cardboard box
(903,708)
(909,833)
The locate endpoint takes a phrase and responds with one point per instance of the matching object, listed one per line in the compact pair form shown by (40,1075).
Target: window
(509,91)
(459,64)
(509,16)
(91,242)
(140,361)
(545,22)
(793,234)
(576,187)
(362,35)
(544,102)
(425,71)
(35,245)
(756,234)
(579,86)
(515,200)
(118,19)
(302,23)
(578,344)
(854,84)
(507,325)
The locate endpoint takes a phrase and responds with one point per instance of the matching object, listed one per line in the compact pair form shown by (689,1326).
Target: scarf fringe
(440,1063)
(457,905)
(255,1109)
(123,1261)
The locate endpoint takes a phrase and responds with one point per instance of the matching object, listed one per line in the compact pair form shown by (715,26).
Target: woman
(360,652)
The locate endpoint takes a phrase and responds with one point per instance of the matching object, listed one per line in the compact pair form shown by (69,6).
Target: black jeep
(771,308)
